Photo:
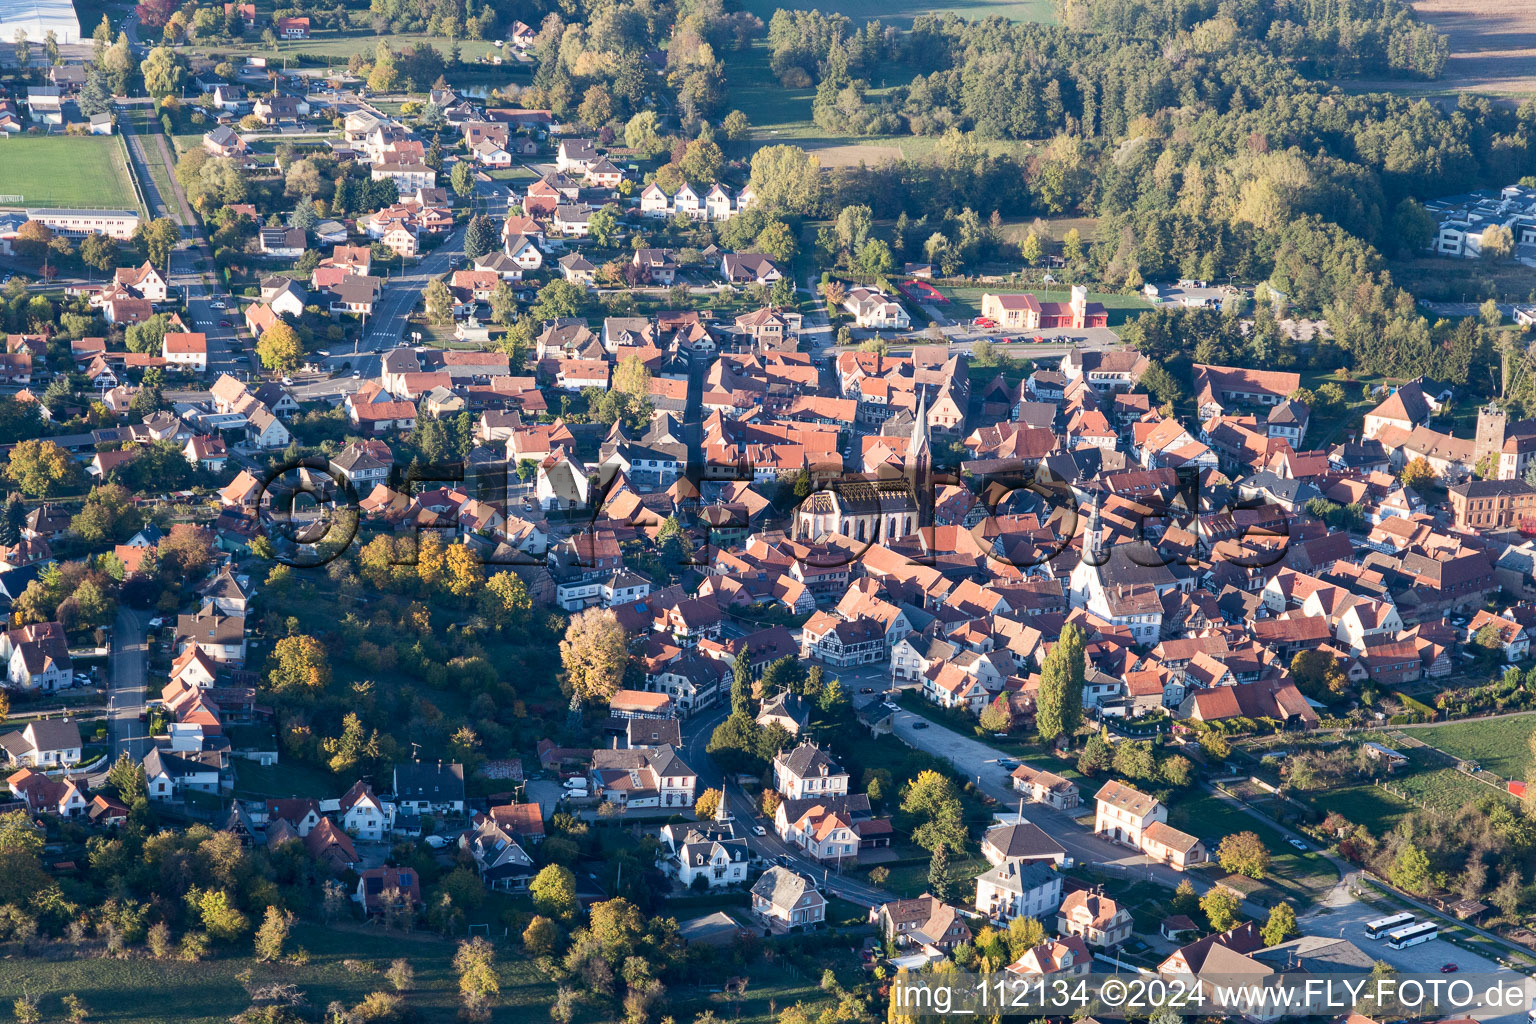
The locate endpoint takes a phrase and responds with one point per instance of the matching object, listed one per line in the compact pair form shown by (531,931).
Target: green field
(1293,875)
(1501,746)
(903,13)
(142,990)
(59,170)
(1364,804)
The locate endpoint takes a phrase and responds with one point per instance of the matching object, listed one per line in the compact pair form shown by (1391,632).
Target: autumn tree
(272,934)
(554,892)
(1417,473)
(464,572)
(505,600)
(299,665)
(594,653)
(41,469)
(1410,870)
(1280,926)
(279,348)
(1243,853)
(707,805)
(1059,705)
(479,985)
(1222,907)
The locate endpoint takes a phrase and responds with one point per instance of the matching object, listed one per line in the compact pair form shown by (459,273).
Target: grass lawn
(1365,805)
(782,115)
(1501,746)
(903,13)
(908,880)
(141,991)
(63,171)
(1446,789)
(1293,875)
(284,779)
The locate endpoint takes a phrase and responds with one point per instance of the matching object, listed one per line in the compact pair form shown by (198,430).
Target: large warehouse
(37,18)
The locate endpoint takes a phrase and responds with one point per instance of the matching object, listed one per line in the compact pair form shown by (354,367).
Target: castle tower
(1491,423)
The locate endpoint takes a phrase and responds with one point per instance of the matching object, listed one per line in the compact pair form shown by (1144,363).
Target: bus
(1379,927)
(1412,935)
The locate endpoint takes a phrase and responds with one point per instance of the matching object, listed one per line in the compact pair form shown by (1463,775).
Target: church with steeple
(1123,581)
(877,508)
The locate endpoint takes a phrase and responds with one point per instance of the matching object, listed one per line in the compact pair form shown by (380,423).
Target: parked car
(436,842)
(578,782)
(866,689)
(919,725)
(1298,844)
(758,830)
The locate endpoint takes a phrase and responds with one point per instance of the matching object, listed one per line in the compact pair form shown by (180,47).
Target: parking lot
(1347,919)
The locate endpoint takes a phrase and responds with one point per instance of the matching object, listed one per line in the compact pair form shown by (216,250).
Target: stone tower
(1491,421)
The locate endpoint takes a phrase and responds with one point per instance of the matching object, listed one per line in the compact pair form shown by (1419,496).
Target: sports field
(58,170)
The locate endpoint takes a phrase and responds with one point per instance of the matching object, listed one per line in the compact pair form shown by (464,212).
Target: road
(127,687)
(695,736)
(191,266)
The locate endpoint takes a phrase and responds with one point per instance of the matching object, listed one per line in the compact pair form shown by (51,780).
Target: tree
(1243,853)
(272,934)
(505,600)
(41,469)
(594,654)
(462,179)
(787,178)
(299,665)
(640,134)
(1059,704)
(1222,907)
(1497,242)
(280,349)
(126,777)
(1280,926)
(1185,900)
(932,797)
(159,237)
(1410,870)
(1024,934)
(164,72)
(221,919)
(354,748)
(540,936)
(554,892)
(1489,313)
(439,300)
(941,880)
(603,225)
(478,984)
(98,251)
(384,76)
(479,237)
(997,716)
(1417,473)
(707,805)
(735,126)
(1031,249)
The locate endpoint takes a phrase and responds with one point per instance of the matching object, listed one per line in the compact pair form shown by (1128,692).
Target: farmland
(66,171)
(1501,746)
(1493,46)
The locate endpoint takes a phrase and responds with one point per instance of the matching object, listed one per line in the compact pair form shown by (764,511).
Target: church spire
(919,445)
(1093,537)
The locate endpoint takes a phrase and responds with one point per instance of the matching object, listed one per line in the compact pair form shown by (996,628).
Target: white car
(758,830)
(579,783)
(436,842)
(217,304)
(1298,844)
